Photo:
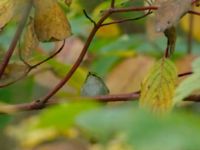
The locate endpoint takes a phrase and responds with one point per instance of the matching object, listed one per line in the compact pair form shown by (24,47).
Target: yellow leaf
(109,31)
(50,21)
(30,41)
(158,87)
(6,11)
(105,31)
(185,24)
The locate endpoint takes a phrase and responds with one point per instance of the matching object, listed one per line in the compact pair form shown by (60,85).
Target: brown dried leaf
(128,75)
(13,72)
(30,41)
(50,21)
(6,11)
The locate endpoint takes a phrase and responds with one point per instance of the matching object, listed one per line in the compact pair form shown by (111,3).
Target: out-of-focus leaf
(169,13)
(66,113)
(128,74)
(68,2)
(12,72)
(61,69)
(143,130)
(6,11)
(30,41)
(106,31)
(117,143)
(50,21)
(107,61)
(190,84)
(51,123)
(109,31)
(158,87)
(184,64)
(16,93)
(185,24)
(94,86)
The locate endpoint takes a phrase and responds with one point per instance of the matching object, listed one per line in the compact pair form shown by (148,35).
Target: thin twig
(89,18)
(185,74)
(125,20)
(31,67)
(15,40)
(112,5)
(190,33)
(50,57)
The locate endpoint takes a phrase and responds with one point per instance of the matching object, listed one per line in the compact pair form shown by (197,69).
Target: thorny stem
(15,40)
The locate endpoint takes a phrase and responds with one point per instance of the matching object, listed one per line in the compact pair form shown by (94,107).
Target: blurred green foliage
(95,122)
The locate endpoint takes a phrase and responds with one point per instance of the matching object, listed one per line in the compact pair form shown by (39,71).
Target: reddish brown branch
(185,74)
(112,4)
(15,40)
(79,60)
(87,44)
(121,97)
(36,105)
(31,67)
(190,33)
(129,19)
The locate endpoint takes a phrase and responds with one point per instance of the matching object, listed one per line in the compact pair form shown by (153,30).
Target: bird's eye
(168,22)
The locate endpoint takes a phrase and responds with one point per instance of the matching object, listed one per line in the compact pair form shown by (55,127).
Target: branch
(16,38)
(125,20)
(36,105)
(112,5)
(78,61)
(31,67)
(89,18)
(86,46)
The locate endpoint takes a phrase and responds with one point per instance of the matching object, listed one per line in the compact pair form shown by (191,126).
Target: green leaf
(62,116)
(190,84)
(142,130)
(158,87)
(52,123)
(94,86)
(61,70)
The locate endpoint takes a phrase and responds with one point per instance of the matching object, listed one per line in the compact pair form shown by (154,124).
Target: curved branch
(15,40)
(31,67)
